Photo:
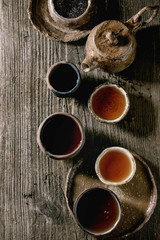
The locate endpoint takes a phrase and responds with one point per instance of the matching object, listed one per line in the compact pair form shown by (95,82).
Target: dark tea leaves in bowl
(70,8)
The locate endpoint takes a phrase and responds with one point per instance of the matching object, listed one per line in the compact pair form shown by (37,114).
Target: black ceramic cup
(97,211)
(61,136)
(63,79)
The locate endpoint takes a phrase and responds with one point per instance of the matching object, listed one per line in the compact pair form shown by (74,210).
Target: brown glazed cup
(61,136)
(74,22)
(97,211)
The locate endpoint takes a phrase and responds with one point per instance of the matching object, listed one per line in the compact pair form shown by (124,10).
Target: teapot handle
(135,23)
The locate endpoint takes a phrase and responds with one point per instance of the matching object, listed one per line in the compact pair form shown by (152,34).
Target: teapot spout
(89,64)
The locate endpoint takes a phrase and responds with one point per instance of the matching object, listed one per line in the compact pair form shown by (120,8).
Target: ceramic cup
(63,79)
(61,136)
(109,103)
(62,11)
(97,211)
(115,166)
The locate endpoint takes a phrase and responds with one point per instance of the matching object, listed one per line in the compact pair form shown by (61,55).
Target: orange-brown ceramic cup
(109,103)
(115,166)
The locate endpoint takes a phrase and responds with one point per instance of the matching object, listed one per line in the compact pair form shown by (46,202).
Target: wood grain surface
(32,202)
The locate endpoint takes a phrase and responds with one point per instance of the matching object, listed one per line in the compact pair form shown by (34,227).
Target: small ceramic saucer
(41,20)
(138,198)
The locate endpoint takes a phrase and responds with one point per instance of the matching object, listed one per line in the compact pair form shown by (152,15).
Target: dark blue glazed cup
(63,79)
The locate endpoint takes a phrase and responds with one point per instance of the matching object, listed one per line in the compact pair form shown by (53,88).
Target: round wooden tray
(41,20)
(138,197)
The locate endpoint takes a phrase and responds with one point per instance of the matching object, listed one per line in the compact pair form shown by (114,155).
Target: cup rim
(92,189)
(57,92)
(61,156)
(69,20)
(118,149)
(127,106)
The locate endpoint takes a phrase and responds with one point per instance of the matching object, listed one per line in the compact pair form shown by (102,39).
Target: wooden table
(32,203)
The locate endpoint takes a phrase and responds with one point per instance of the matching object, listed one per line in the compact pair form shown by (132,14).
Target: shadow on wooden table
(95,143)
(140,120)
(147,57)
(88,85)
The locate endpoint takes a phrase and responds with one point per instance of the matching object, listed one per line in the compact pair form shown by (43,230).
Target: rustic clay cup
(91,204)
(63,79)
(114,166)
(105,103)
(72,22)
(61,136)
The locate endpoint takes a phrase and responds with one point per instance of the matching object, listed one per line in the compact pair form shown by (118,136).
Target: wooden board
(32,201)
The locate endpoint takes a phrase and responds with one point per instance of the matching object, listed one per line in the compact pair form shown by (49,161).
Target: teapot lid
(113,39)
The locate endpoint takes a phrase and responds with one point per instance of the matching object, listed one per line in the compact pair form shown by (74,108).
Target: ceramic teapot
(111,45)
